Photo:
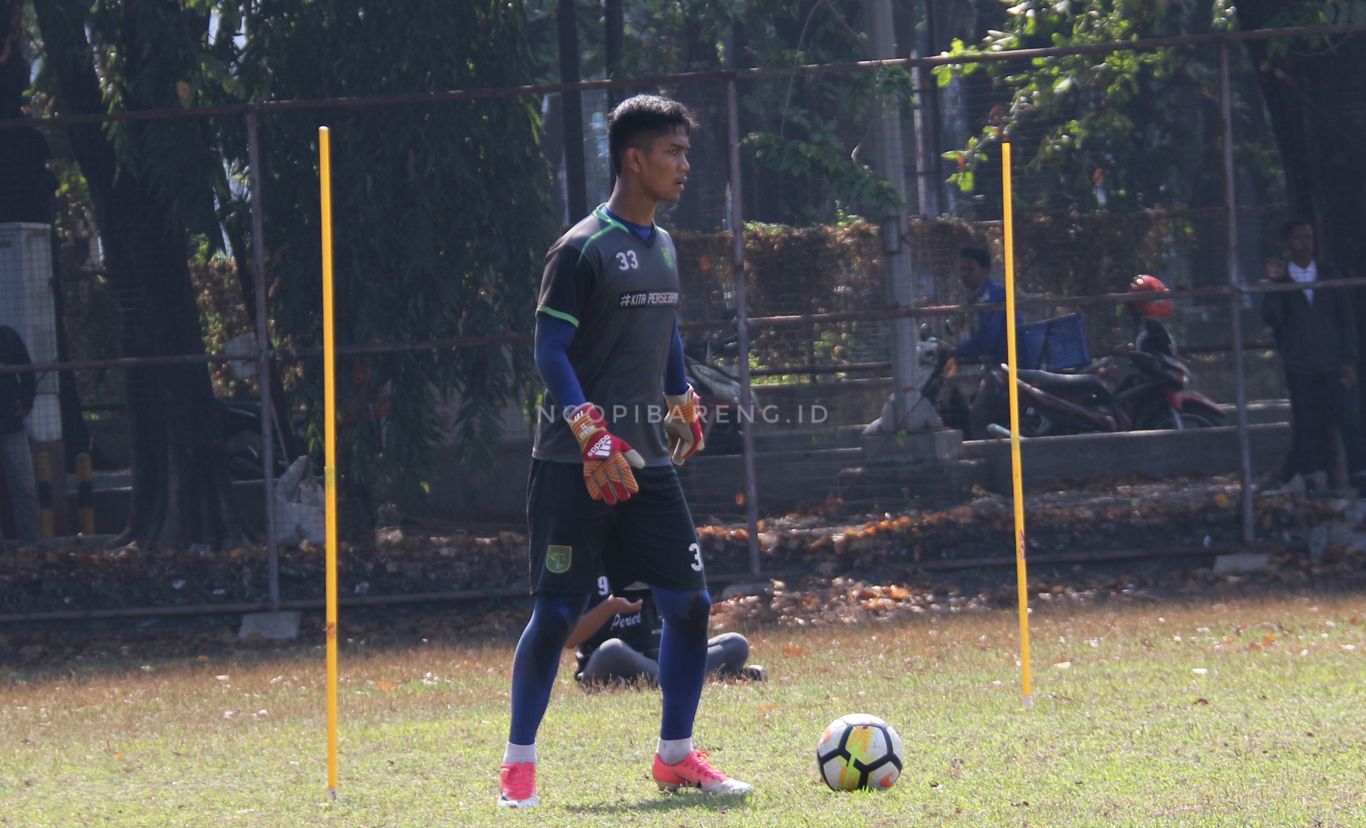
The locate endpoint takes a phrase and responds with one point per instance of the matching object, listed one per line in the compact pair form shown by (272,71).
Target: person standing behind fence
(988,341)
(1316,337)
(16,401)
(987,344)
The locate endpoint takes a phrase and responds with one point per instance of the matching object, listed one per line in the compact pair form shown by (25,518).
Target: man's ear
(631,160)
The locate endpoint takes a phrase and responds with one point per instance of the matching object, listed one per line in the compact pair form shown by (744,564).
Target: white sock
(673,751)
(513,754)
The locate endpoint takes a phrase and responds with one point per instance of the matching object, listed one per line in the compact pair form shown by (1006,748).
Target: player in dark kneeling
(617,640)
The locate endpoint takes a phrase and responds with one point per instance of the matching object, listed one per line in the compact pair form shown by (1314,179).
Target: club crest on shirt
(647,298)
(558,558)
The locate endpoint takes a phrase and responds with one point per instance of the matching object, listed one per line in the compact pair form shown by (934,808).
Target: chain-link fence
(149,353)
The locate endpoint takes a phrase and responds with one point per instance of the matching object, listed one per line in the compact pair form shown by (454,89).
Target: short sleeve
(565,285)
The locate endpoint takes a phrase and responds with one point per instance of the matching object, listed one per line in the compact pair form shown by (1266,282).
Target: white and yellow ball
(859,752)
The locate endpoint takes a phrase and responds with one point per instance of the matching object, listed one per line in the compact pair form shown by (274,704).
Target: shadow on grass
(663,803)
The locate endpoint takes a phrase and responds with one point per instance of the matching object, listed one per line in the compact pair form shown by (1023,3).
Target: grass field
(1246,712)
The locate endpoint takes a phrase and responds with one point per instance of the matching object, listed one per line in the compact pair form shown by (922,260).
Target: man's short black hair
(637,121)
(1295,224)
(977,254)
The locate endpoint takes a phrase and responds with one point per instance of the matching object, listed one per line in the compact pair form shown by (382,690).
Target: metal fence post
(737,229)
(1235,297)
(263,355)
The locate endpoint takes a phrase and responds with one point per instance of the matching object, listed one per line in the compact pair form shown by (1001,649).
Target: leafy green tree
(807,136)
(440,218)
(801,136)
(152,184)
(1117,131)
(23,151)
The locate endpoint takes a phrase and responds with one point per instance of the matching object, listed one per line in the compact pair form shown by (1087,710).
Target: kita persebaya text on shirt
(621,293)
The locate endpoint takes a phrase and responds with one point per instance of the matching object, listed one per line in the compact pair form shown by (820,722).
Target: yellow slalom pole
(1017,483)
(330,452)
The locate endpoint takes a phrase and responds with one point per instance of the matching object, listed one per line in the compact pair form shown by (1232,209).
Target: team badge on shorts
(558,558)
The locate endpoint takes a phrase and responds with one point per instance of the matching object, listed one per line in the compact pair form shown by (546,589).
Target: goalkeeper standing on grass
(603,494)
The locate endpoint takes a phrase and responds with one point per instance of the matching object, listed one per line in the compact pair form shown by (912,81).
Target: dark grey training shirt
(621,292)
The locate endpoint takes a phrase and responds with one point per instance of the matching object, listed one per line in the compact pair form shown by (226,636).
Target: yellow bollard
(85,493)
(1017,484)
(45,518)
(329,453)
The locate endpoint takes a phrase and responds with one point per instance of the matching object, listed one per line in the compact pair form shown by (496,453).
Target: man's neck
(1303,263)
(633,206)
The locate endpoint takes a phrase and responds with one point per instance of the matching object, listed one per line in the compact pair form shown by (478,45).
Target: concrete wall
(792,479)
(800,470)
(1153,454)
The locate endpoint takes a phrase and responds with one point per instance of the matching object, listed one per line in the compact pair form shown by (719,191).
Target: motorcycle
(1152,394)
(1128,391)
(718,392)
(243,447)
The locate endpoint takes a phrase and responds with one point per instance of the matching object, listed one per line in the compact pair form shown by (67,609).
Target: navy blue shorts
(576,539)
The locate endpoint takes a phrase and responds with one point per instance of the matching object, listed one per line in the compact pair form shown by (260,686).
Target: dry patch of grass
(1248,711)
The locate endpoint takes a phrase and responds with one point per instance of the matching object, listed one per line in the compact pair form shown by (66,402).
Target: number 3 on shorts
(696,551)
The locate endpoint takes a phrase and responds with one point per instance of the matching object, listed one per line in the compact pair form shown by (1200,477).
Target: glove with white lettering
(683,427)
(607,459)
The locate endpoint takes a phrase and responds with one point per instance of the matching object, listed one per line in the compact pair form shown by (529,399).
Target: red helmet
(1156,308)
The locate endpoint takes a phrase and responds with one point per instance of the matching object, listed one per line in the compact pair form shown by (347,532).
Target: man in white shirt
(1316,337)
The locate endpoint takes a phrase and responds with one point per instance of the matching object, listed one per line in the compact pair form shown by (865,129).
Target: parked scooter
(242,444)
(1128,391)
(1152,394)
(718,391)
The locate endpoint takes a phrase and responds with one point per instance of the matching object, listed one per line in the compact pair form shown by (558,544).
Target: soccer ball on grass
(859,752)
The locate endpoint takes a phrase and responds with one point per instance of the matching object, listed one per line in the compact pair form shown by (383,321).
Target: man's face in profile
(971,274)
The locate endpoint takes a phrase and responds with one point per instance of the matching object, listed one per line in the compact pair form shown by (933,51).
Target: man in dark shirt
(16,401)
(603,495)
(1316,336)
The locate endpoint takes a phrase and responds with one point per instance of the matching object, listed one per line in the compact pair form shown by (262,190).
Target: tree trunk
(553,147)
(704,204)
(29,187)
(287,443)
(180,484)
(576,187)
(615,23)
(1318,115)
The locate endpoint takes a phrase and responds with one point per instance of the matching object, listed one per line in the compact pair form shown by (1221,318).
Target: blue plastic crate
(1055,344)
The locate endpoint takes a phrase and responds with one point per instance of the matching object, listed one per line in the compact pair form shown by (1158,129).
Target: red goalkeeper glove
(607,459)
(683,426)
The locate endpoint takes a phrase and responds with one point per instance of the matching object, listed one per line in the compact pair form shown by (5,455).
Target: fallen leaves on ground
(822,570)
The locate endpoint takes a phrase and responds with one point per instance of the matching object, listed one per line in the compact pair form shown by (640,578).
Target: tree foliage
(1119,130)
(152,184)
(439,210)
(801,135)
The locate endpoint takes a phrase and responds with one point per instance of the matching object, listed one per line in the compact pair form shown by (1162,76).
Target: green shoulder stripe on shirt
(600,212)
(612,224)
(558,315)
